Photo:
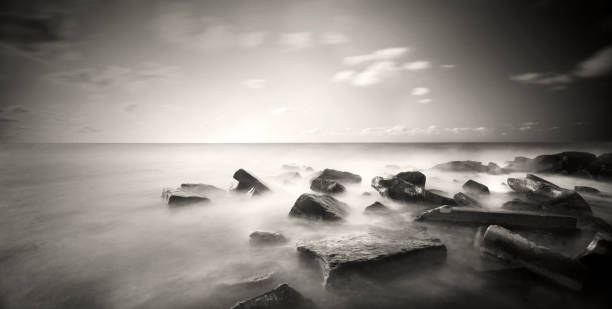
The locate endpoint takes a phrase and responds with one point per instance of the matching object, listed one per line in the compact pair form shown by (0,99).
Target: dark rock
(400,190)
(266,238)
(520,164)
(247,182)
(478,216)
(602,166)
(190,193)
(597,256)
(542,261)
(282,297)
(569,202)
(565,162)
(495,169)
(181,198)
(475,187)
(585,189)
(463,166)
(518,204)
(376,207)
(339,176)
(202,188)
(371,256)
(437,199)
(319,207)
(465,200)
(416,178)
(535,185)
(326,186)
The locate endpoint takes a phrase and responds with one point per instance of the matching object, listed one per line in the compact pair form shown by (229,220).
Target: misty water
(83,226)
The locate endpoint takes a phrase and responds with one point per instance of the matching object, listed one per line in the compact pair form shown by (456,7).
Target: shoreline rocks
(376,208)
(248,183)
(342,258)
(319,207)
(281,297)
(475,187)
(401,190)
(339,176)
(260,238)
(463,199)
(323,185)
(190,193)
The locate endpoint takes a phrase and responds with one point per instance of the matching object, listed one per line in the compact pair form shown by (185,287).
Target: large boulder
(248,183)
(602,166)
(282,297)
(568,203)
(475,187)
(323,185)
(568,162)
(371,256)
(597,257)
(339,176)
(401,190)
(190,193)
(535,185)
(416,178)
(319,207)
(266,238)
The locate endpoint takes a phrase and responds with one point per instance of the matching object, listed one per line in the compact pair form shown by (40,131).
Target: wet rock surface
(248,183)
(401,190)
(416,178)
(190,193)
(520,219)
(339,176)
(475,187)
(282,297)
(535,186)
(507,245)
(319,207)
(367,255)
(323,185)
(585,189)
(266,238)
(463,199)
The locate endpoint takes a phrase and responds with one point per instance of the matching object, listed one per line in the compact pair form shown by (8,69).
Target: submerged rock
(282,297)
(266,238)
(585,189)
(416,178)
(478,216)
(368,255)
(326,186)
(376,207)
(437,199)
(554,266)
(248,183)
(465,200)
(319,207)
(475,187)
(339,176)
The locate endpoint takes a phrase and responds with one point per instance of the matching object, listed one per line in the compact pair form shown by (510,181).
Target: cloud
(334,38)
(424,101)
(378,55)
(343,76)
(294,41)
(255,83)
(480,130)
(419,91)
(599,64)
(375,73)
(399,129)
(448,66)
(417,65)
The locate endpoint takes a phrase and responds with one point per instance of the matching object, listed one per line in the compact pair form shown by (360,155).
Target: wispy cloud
(399,129)
(378,55)
(419,91)
(417,65)
(599,64)
(424,101)
(295,41)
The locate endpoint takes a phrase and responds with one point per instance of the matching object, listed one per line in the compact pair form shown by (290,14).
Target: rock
(463,199)
(202,188)
(398,189)
(416,178)
(518,204)
(585,189)
(376,207)
(463,166)
(535,185)
(319,207)
(339,176)
(495,169)
(366,194)
(597,256)
(475,187)
(602,166)
(542,261)
(190,193)
(520,219)
(568,162)
(266,238)
(309,169)
(569,202)
(282,297)
(371,256)
(326,186)
(247,182)
(519,164)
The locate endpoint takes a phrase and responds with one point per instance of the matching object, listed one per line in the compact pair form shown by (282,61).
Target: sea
(84,226)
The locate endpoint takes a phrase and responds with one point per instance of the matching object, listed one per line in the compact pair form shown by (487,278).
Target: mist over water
(83,225)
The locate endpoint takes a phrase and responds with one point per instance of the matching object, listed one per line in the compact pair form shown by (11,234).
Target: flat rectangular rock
(520,219)
(371,256)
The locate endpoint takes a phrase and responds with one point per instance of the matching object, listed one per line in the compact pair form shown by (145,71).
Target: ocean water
(83,226)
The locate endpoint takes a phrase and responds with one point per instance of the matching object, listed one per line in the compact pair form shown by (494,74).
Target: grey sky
(304,71)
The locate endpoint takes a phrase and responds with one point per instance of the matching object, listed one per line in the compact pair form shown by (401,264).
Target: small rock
(189,194)
(585,189)
(282,297)
(326,186)
(319,207)
(366,194)
(475,187)
(376,207)
(465,200)
(247,182)
(266,238)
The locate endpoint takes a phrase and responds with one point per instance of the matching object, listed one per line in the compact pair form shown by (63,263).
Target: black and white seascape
(305,154)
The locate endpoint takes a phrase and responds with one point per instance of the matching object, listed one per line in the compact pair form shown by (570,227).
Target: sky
(305,71)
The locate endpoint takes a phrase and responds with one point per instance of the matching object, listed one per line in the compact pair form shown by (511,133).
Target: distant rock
(282,297)
(462,166)
(376,208)
(581,164)
(568,203)
(309,169)
(494,169)
(266,238)
(416,178)
(602,166)
(319,207)
(342,258)
(326,186)
(475,187)
(585,189)
(248,183)
(339,176)
(465,200)
(290,175)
